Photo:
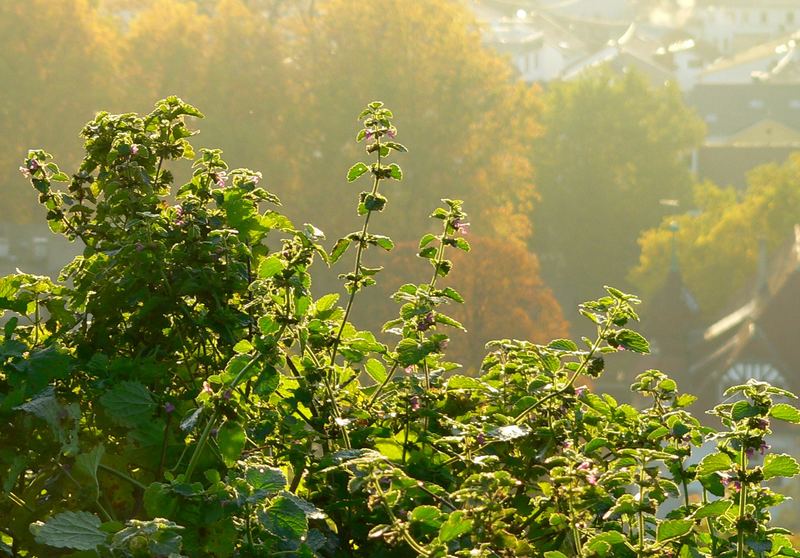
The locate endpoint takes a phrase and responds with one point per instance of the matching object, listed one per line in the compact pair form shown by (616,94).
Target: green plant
(180,391)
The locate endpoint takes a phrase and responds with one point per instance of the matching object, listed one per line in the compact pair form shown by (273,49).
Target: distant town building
(734,25)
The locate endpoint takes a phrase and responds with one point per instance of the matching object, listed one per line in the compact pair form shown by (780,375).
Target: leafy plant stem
(122,475)
(595,346)
(418,548)
(362,243)
(381,387)
(742,501)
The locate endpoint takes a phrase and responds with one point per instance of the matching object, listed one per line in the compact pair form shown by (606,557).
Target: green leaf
(785,412)
(595,444)
(427,515)
(563,345)
(270,266)
(426,239)
(395,171)
(554,554)
(129,404)
(452,294)
(76,530)
(60,177)
(87,464)
(284,519)
(632,341)
(383,241)
(356,170)
(268,479)
(231,440)
(712,509)
(673,528)
(509,432)
(339,249)
(376,370)
(411,351)
(455,526)
(780,465)
(743,409)
(712,463)
(396,146)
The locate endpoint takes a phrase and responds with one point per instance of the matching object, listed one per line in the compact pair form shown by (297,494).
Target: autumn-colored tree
(464,116)
(501,284)
(614,147)
(57,61)
(717,244)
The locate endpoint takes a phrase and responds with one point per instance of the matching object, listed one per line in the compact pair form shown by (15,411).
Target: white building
(762,62)
(733,25)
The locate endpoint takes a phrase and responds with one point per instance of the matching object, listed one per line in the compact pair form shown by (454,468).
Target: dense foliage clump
(179,391)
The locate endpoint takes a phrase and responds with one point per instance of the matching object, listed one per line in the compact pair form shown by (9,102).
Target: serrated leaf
(231,440)
(383,241)
(743,409)
(563,345)
(712,463)
(270,266)
(780,465)
(284,519)
(376,370)
(87,464)
(128,404)
(594,444)
(261,477)
(632,341)
(395,171)
(452,294)
(509,432)
(76,530)
(673,528)
(426,239)
(356,170)
(339,249)
(712,509)
(396,146)
(785,412)
(455,526)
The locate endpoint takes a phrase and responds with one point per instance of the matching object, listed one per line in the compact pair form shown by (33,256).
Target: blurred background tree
(59,62)
(718,243)
(614,146)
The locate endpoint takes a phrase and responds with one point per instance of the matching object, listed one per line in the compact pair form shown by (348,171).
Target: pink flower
(134,150)
(591,478)
(25,172)
(583,466)
(219,178)
(461,227)
(207,389)
(169,408)
(763,447)
(580,391)
(415,404)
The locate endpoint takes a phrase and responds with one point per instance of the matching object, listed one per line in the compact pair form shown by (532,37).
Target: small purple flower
(591,478)
(749,452)
(415,404)
(461,227)
(227,394)
(139,246)
(481,439)
(566,444)
(169,408)
(584,466)
(219,178)
(134,150)
(763,448)
(580,391)
(33,165)
(25,172)
(426,322)
(409,369)
(760,423)
(368,135)
(392,133)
